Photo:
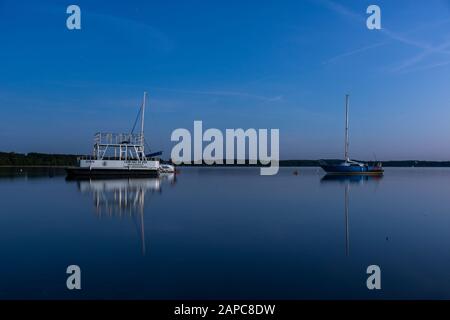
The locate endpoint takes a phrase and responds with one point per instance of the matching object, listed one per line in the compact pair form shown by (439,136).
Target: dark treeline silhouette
(44,159)
(316,163)
(37,159)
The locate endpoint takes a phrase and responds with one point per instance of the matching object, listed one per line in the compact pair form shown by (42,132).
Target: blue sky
(232,64)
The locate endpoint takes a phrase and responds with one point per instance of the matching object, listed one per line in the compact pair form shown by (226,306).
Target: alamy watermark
(235,147)
(373,22)
(74,279)
(374,279)
(73,21)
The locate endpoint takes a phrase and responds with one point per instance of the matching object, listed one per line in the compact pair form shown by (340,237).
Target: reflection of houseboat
(349,167)
(123,197)
(118,155)
(119,196)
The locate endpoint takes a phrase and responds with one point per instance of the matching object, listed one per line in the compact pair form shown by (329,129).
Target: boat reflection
(346,181)
(123,197)
(351,179)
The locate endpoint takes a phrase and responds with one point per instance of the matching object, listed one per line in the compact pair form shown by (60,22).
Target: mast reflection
(346,181)
(124,197)
(347,240)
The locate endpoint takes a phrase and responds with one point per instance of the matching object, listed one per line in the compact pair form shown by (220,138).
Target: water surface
(226,233)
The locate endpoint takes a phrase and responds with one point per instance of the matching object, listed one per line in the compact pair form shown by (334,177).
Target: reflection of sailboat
(347,242)
(123,197)
(347,181)
(353,179)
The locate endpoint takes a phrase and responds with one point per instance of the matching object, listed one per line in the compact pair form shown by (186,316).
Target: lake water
(226,233)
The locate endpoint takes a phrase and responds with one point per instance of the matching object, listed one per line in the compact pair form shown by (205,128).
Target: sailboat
(349,166)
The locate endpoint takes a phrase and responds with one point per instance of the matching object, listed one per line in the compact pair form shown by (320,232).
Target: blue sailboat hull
(352,169)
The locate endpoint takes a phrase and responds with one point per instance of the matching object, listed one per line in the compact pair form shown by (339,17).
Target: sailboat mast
(346,127)
(142,119)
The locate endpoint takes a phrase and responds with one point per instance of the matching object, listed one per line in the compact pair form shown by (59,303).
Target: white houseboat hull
(90,168)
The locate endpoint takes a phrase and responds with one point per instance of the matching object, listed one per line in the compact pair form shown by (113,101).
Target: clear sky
(249,64)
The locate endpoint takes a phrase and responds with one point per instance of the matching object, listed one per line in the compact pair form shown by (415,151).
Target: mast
(346,128)
(142,120)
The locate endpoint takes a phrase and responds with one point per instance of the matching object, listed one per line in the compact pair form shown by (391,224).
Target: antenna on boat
(142,119)
(346,128)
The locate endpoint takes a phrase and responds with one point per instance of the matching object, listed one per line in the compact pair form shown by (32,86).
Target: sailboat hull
(352,170)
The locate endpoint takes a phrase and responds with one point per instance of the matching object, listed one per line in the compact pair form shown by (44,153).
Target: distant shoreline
(34,166)
(43,160)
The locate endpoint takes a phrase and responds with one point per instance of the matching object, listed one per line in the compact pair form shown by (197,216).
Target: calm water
(226,233)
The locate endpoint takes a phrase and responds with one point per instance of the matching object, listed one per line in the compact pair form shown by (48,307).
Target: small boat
(349,167)
(166,168)
(120,154)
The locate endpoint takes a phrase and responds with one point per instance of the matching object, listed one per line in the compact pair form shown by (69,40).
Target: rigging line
(137,118)
(147,145)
